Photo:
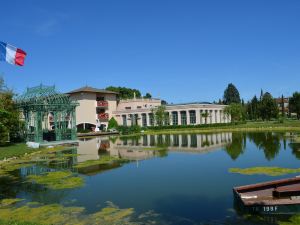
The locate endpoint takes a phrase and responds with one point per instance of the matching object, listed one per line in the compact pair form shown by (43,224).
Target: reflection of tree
(295,149)
(237,146)
(268,142)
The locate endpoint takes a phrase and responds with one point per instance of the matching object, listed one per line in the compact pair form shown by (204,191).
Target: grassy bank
(290,126)
(14,150)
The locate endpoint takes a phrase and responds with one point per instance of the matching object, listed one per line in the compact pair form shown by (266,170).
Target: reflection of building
(177,142)
(97,106)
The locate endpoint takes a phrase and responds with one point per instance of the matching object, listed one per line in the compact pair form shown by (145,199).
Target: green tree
(205,115)
(10,125)
(295,104)
(160,116)
(112,123)
(125,93)
(282,106)
(268,107)
(148,95)
(231,95)
(237,146)
(253,109)
(236,111)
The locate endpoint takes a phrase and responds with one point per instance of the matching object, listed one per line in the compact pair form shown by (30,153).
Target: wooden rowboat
(274,197)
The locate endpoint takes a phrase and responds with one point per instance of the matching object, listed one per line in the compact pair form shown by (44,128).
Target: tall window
(183,117)
(124,119)
(151,119)
(174,118)
(144,120)
(167,118)
(136,117)
(192,117)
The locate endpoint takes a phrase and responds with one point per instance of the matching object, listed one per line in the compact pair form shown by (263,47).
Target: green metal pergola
(48,114)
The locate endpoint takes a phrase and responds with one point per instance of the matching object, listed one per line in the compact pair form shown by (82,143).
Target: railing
(102,104)
(103,116)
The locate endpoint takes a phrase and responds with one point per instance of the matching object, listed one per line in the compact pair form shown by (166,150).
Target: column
(213,116)
(188,119)
(178,117)
(198,115)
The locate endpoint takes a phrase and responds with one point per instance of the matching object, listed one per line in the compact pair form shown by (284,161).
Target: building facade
(97,106)
(196,113)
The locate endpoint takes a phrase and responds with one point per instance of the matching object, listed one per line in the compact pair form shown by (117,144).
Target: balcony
(103,117)
(102,104)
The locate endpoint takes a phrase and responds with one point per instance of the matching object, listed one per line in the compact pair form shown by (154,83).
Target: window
(100,110)
(183,117)
(124,119)
(144,120)
(167,119)
(174,118)
(127,107)
(100,98)
(139,107)
(192,117)
(151,119)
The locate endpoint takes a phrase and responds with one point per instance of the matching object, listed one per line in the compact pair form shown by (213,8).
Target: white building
(97,106)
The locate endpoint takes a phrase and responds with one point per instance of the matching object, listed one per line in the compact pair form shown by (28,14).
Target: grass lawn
(12,150)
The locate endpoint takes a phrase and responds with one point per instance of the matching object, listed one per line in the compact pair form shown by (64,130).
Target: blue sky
(181,51)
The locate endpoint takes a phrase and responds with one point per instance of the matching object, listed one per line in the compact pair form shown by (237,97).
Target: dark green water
(187,184)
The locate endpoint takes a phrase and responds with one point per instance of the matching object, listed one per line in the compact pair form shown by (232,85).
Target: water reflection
(237,145)
(268,142)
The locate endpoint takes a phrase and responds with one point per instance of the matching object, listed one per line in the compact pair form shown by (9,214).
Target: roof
(93,90)
(43,95)
(191,103)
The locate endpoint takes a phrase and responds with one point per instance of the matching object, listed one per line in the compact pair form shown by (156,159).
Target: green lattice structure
(48,114)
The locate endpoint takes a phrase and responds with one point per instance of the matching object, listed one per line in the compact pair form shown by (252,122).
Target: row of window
(204,115)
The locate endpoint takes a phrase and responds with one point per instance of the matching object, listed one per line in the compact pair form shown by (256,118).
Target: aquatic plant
(32,214)
(268,171)
(294,220)
(104,160)
(57,180)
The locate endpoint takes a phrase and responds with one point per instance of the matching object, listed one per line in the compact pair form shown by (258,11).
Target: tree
(295,104)
(268,107)
(125,93)
(282,106)
(236,111)
(253,109)
(205,115)
(148,95)
(10,125)
(160,115)
(112,123)
(231,95)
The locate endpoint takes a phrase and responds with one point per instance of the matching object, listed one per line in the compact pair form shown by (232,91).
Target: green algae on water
(58,215)
(268,171)
(104,160)
(58,180)
(9,201)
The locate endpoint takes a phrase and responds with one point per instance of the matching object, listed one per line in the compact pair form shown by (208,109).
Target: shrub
(129,129)
(112,123)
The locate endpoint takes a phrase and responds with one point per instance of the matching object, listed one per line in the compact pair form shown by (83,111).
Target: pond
(166,179)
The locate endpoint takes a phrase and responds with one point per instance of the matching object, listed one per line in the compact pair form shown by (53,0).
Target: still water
(187,183)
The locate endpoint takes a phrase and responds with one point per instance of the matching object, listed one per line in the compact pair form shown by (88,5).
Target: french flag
(12,54)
